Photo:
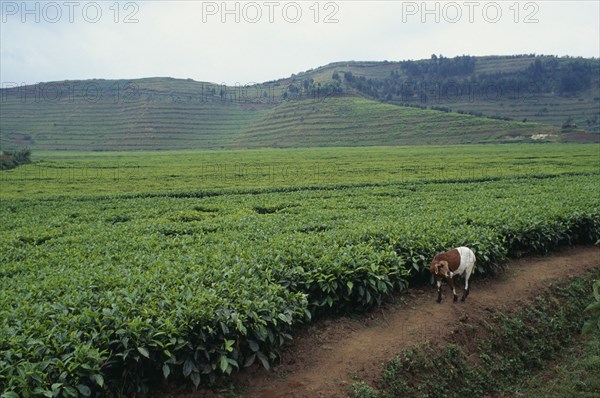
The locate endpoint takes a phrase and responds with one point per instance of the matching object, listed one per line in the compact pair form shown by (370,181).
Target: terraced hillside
(544,89)
(120,115)
(152,114)
(347,104)
(353,121)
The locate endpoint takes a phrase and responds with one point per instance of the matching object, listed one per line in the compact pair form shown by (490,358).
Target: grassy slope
(576,373)
(139,114)
(172,114)
(355,121)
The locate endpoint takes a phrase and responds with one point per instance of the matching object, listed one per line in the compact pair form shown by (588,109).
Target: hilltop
(340,104)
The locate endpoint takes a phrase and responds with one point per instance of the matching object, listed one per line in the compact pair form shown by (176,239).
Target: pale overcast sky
(46,41)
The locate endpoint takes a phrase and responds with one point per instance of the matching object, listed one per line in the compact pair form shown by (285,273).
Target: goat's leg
(451,283)
(466,292)
(439,290)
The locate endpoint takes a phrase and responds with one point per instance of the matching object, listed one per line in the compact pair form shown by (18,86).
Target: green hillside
(126,115)
(168,114)
(345,103)
(353,121)
(544,89)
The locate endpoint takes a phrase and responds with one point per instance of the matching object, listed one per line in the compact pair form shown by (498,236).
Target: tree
(568,123)
(10,160)
(575,76)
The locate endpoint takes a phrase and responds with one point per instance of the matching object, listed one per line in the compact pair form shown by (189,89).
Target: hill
(162,116)
(159,113)
(354,121)
(349,104)
(564,92)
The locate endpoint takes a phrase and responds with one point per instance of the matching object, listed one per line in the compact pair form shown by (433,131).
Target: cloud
(269,40)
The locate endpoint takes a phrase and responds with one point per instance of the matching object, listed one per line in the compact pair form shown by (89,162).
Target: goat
(451,263)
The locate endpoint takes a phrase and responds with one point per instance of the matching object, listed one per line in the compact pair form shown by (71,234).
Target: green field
(199,172)
(123,268)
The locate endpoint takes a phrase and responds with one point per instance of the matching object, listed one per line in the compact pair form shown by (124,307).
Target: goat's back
(467,259)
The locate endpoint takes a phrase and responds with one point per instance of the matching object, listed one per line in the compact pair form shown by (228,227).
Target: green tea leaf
(144,352)
(84,390)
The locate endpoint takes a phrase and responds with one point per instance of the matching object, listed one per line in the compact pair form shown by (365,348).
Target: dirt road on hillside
(328,357)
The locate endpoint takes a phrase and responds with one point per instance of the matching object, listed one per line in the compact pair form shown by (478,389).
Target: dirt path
(325,359)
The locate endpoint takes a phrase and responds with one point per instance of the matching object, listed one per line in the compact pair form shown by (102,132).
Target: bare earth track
(326,358)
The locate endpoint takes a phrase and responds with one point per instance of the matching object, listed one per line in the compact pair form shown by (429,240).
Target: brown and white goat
(451,263)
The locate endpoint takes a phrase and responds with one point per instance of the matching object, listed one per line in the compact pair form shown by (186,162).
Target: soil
(326,358)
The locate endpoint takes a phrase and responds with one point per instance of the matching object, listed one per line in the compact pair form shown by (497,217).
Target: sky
(244,42)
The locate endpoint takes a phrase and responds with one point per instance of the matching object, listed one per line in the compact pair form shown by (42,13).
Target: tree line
(416,80)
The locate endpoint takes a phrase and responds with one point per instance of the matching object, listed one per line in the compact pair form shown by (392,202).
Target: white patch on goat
(467,264)
(467,260)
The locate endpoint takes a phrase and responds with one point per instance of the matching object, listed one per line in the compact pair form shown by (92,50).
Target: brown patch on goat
(442,265)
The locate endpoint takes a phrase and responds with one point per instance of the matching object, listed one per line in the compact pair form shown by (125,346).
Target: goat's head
(441,269)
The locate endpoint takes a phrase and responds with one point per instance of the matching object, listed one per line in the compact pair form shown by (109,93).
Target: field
(123,268)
